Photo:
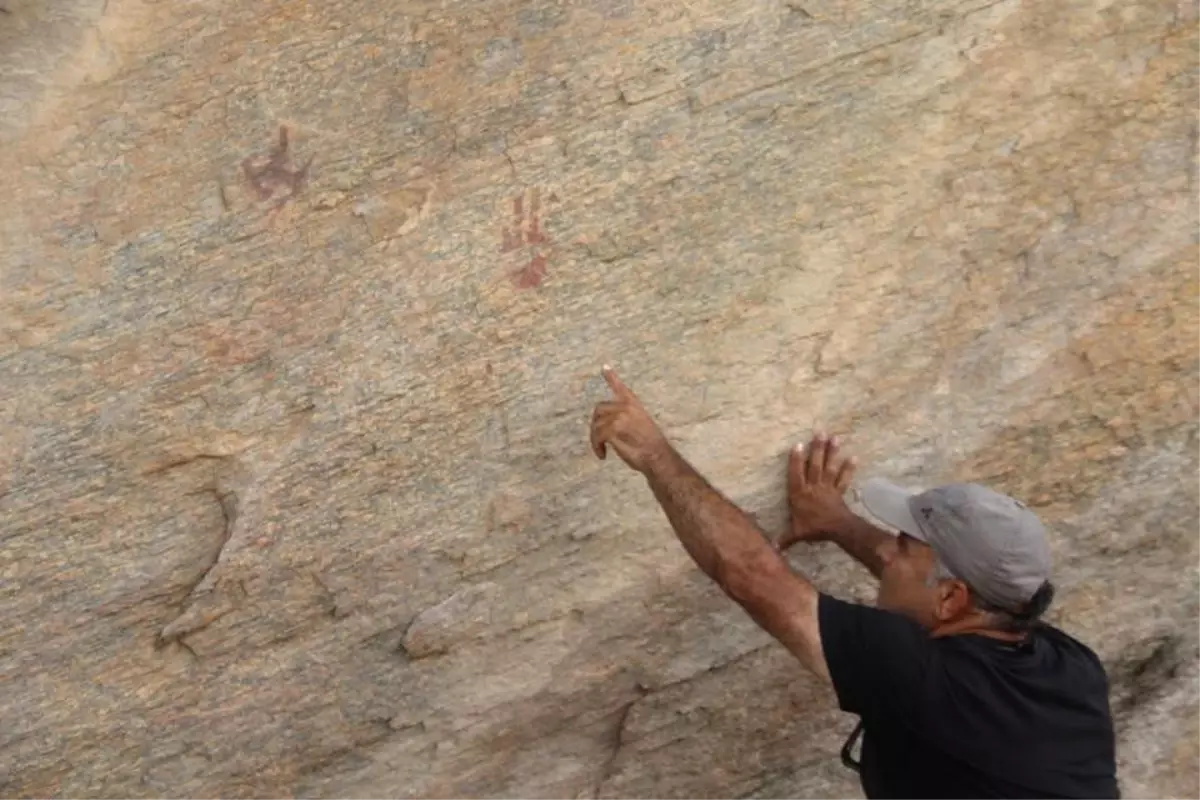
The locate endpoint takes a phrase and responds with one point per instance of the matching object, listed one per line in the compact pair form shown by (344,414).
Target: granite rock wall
(302,306)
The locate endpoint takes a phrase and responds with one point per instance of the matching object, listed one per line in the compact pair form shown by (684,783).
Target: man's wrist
(661,459)
(865,542)
(842,526)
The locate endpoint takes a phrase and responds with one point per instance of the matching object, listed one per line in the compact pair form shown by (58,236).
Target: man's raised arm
(719,536)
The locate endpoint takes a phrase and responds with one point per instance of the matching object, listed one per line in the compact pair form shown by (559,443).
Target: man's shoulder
(1050,669)
(1069,651)
(1054,651)
(859,619)
(877,659)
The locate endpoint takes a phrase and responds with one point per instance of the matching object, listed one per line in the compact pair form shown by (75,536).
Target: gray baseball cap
(991,541)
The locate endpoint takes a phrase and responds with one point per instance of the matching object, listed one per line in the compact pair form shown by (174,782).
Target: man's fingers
(838,470)
(598,443)
(601,422)
(816,458)
(619,389)
(601,436)
(797,465)
(603,416)
(604,435)
(607,408)
(621,449)
(846,474)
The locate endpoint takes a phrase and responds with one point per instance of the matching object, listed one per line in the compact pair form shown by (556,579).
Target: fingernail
(606,367)
(799,448)
(835,441)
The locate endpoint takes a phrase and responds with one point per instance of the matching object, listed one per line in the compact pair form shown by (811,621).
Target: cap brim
(888,503)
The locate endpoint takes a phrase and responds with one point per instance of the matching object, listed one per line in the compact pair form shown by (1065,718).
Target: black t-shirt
(968,715)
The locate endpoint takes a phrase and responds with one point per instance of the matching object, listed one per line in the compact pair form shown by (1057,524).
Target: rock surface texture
(302,306)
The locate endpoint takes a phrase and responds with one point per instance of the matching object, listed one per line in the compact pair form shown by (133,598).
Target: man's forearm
(730,548)
(717,534)
(863,541)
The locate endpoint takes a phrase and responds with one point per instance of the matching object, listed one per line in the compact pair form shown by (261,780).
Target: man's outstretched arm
(719,536)
(732,551)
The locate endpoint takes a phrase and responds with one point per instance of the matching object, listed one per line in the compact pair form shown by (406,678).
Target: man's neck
(978,625)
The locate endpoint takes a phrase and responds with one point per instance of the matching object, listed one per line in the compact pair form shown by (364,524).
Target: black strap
(848,747)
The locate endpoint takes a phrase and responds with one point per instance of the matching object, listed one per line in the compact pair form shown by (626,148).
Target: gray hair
(1001,618)
(939,573)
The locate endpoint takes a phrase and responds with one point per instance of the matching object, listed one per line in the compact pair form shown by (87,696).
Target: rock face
(302,306)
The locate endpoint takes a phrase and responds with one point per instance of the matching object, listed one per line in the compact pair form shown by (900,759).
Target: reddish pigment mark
(531,276)
(511,236)
(525,231)
(275,173)
(535,236)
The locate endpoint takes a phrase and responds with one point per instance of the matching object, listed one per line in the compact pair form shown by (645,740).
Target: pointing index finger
(619,389)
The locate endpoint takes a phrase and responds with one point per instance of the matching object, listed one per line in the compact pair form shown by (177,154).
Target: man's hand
(719,536)
(624,425)
(818,477)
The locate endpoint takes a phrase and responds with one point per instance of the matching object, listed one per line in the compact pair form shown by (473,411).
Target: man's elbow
(749,580)
(781,602)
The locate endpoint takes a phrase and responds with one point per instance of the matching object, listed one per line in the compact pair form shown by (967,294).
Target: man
(960,690)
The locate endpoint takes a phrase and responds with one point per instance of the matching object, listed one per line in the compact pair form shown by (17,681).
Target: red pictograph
(524,233)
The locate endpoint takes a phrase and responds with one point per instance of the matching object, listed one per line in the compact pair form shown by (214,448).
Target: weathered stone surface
(294,481)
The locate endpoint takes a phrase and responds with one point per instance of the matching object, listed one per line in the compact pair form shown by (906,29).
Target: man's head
(965,557)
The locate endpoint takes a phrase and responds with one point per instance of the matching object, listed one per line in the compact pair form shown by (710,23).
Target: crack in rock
(1143,676)
(617,740)
(217,592)
(329,600)
(799,10)
(182,461)
(192,619)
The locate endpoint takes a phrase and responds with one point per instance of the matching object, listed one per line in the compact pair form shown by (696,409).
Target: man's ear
(954,600)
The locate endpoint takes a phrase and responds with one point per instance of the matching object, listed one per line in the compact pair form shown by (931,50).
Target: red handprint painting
(524,234)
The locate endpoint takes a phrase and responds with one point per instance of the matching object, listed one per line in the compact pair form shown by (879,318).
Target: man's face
(904,585)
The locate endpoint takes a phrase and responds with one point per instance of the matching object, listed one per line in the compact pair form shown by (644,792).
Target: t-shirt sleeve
(878,660)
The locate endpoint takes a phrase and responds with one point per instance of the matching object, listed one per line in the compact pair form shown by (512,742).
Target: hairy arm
(731,550)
